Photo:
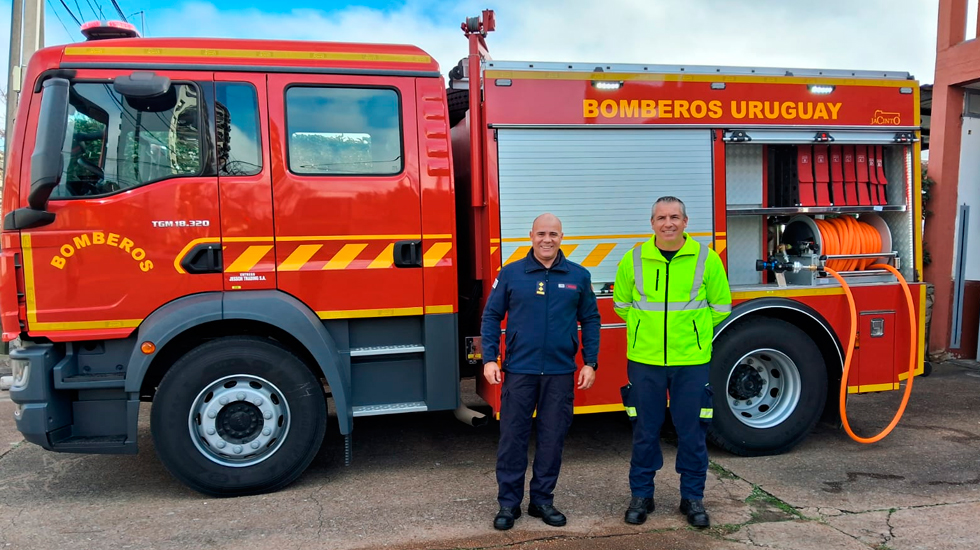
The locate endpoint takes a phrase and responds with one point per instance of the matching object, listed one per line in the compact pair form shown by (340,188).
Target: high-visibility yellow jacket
(671,309)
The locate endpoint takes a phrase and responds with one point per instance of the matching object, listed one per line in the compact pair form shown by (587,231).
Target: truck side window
(335,131)
(113,144)
(237,126)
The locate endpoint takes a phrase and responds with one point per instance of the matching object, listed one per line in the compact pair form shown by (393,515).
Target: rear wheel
(770,387)
(237,416)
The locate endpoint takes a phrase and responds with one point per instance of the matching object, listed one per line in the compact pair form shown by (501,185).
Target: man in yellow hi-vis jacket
(672,291)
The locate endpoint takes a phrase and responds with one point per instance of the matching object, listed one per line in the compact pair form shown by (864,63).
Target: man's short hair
(669,199)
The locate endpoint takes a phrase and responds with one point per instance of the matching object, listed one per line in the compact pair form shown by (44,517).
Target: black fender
(266,306)
(760,305)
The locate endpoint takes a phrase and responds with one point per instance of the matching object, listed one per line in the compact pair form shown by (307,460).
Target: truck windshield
(112,144)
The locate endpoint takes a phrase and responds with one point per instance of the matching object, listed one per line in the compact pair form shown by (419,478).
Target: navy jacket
(543,308)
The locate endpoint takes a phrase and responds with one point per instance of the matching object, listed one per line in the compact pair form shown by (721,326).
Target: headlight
(21,372)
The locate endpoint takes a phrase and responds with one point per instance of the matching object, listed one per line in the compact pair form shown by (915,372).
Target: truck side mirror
(141,85)
(47,162)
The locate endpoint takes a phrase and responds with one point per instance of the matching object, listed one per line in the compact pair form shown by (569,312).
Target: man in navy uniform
(544,297)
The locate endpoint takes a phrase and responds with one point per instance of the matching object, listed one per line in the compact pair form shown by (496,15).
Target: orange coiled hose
(846,235)
(850,351)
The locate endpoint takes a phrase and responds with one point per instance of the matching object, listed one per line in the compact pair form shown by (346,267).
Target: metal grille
(743,174)
(744,248)
(602,184)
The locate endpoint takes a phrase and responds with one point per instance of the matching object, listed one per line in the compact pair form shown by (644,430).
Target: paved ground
(427,481)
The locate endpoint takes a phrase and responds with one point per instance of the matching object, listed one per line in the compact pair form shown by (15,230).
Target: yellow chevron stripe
(494,249)
(385,259)
(437,252)
(361,313)
(248,259)
(518,254)
(299,257)
(567,249)
(598,254)
(720,245)
(346,255)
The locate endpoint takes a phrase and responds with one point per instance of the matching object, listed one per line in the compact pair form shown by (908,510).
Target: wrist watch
(594,365)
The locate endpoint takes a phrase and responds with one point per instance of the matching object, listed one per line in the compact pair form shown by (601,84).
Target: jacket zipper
(547,297)
(637,332)
(656,285)
(666,298)
(697,336)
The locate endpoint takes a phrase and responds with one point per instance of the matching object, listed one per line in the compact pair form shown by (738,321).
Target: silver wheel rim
(763,388)
(239,420)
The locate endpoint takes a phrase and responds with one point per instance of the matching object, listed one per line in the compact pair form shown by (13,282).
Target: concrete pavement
(427,481)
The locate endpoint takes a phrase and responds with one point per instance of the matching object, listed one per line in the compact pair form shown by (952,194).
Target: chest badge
(541,288)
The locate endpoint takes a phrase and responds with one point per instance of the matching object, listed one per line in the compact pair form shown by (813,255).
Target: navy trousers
(689,394)
(553,397)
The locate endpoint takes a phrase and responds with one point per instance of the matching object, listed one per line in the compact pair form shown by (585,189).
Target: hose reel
(848,245)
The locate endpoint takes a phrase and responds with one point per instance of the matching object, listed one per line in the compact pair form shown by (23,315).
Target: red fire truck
(237,230)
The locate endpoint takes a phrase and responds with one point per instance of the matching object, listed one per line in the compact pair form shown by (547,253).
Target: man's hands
(491,371)
(586,377)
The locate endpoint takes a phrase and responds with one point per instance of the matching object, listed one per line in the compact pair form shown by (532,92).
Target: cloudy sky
(893,35)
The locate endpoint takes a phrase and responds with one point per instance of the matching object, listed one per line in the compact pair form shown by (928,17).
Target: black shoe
(636,514)
(695,512)
(505,518)
(548,514)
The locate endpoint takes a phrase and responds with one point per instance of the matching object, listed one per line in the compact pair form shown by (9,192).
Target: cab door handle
(203,258)
(408,254)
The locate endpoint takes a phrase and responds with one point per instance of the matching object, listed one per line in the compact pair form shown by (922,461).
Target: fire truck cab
(237,229)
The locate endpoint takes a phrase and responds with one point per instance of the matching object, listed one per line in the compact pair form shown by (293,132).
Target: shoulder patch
(495,282)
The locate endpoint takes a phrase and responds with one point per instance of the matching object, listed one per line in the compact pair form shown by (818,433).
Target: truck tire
(770,386)
(238,416)
(458,103)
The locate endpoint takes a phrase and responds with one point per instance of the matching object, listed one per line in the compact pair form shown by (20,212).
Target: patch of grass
(721,472)
(761,498)
(726,529)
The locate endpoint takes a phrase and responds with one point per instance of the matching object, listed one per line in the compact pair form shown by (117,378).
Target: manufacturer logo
(883,118)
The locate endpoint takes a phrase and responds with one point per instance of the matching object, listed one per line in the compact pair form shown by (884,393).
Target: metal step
(103,444)
(386,350)
(91,381)
(390,408)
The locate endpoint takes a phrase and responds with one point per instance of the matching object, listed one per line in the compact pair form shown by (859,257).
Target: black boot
(548,514)
(505,518)
(695,512)
(637,512)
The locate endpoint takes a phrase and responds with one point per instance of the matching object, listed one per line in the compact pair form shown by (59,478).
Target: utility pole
(13,76)
(26,37)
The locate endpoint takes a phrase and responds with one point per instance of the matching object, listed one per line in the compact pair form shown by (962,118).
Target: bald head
(546,238)
(546,218)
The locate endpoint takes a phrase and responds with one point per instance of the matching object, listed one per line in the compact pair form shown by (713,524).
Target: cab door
(245,181)
(346,194)
(137,192)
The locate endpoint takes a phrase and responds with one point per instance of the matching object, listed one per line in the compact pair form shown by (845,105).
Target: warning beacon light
(820,89)
(96,30)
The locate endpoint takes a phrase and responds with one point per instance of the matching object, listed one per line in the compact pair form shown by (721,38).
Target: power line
(81,14)
(97,13)
(71,13)
(50,5)
(119,10)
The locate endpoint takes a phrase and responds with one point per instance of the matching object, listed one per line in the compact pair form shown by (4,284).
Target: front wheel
(770,387)
(238,416)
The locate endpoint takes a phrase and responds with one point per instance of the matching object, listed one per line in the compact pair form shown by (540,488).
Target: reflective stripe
(707,413)
(622,305)
(673,306)
(727,308)
(631,411)
(699,271)
(638,271)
